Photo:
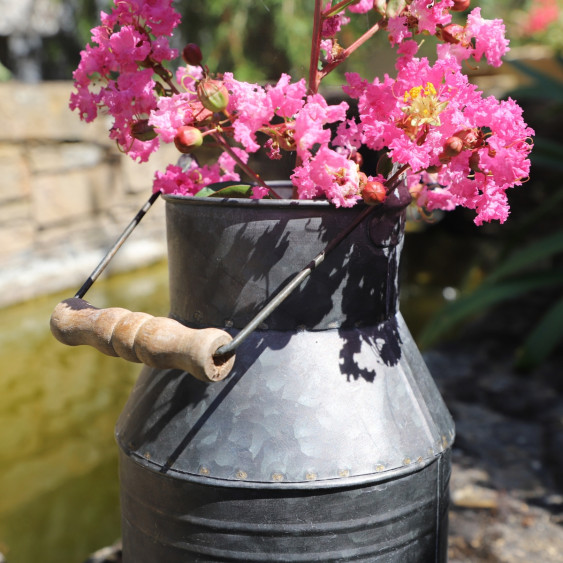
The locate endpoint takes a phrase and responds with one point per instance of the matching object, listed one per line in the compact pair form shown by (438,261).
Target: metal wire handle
(290,287)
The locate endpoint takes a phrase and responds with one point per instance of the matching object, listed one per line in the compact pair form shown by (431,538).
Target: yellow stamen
(423,106)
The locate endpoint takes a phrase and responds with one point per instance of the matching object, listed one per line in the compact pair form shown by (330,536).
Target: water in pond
(58,406)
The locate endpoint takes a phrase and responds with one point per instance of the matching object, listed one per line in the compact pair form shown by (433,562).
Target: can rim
(330,483)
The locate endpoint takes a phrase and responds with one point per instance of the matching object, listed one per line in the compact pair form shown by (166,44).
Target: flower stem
(224,145)
(315,48)
(164,74)
(391,182)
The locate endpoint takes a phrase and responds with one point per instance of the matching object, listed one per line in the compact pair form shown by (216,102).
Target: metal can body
(396,520)
(329,440)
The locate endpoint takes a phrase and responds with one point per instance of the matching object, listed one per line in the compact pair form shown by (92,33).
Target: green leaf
(384,165)
(543,339)
(238,190)
(226,189)
(483,297)
(538,250)
(205,192)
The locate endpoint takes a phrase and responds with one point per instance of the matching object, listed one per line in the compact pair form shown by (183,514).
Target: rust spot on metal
(407,461)
(147,455)
(204,471)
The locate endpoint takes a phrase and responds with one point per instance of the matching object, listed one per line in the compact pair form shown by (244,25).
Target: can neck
(227,260)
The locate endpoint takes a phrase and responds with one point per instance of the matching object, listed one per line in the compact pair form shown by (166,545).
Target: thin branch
(315,48)
(392,182)
(166,76)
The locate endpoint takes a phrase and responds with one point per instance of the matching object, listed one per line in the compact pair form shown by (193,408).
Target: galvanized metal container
(329,440)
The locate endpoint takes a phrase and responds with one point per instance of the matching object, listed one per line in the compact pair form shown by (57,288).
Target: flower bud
(188,139)
(470,137)
(142,131)
(213,95)
(453,146)
(374,192)
(357,158)
(460,5)
(191,53)
(452,33)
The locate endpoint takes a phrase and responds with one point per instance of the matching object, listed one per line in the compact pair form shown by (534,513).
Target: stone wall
(66,193)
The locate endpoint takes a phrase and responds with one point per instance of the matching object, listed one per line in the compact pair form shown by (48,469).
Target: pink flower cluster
(117,72)
(191,179)
(454,145)
(434,120)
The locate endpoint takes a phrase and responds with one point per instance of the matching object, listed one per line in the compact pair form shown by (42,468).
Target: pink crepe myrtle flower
(331,174)
(362,7)
(170,113)
(413,117)
(348,136)
(187,77)
(177,181)
(227,164)
(309,125)
(287,98)
(398,30)
(430,14)
(251,108)
(331,26)
(174,181)
(478,38)
(158,15)
(489,36)
(128,47)
(327,50)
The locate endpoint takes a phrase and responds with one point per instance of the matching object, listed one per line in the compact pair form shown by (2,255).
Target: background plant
(528,258)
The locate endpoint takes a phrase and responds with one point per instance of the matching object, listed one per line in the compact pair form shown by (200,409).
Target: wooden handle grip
(138,337)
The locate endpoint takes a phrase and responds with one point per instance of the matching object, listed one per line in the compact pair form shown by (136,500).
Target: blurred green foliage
(256,39)
(260,39)
(517,14)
